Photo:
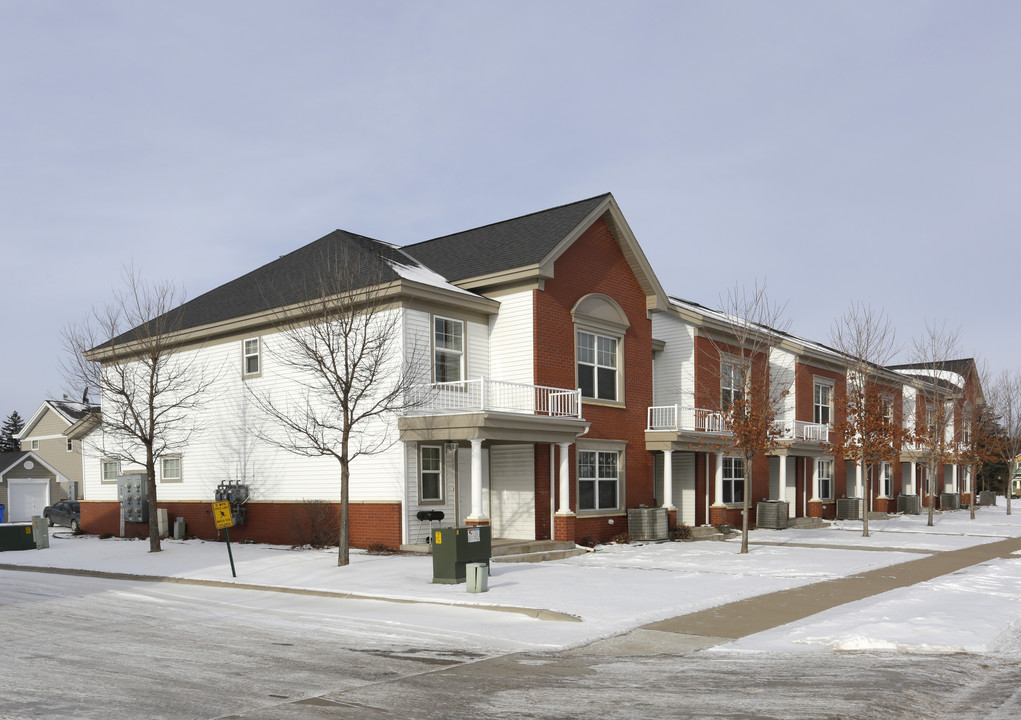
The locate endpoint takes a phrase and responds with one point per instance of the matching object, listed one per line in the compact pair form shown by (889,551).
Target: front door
(512,491)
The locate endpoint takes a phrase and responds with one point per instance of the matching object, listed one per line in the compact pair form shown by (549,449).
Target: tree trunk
(973,476)
(343,548)
(930,481)
(865,500)
(154,520)
(747,504)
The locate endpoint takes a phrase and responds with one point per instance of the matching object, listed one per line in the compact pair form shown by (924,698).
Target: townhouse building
(560,386)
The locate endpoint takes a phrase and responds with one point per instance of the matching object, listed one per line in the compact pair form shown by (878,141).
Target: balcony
(686,419)
(482,395)
(812,432)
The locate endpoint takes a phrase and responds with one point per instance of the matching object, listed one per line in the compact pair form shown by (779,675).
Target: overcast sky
(840,151)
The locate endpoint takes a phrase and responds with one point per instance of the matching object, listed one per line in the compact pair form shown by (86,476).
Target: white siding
(674,366)
(512,491)
(511,340)
(223,447)
(478,351)
(683,468)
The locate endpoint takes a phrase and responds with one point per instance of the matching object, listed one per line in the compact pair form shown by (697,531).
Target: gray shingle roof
(293,278)
(505,245)
(73,411)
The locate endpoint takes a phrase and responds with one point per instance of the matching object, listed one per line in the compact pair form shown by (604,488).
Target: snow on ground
(619,587)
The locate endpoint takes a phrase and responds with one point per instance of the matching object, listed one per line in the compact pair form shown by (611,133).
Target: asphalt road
(79,647)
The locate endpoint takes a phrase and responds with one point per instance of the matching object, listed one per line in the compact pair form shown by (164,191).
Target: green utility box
(16,537)
(453,548)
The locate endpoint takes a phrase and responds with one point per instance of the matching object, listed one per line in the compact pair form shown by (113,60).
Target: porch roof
(489,425)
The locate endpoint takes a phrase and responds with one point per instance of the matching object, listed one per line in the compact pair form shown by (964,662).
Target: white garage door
(512,491)
(26,498)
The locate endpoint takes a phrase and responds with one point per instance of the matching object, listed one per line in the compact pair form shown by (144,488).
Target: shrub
(623,539)
(315,524)
(682,532)
(588,541)
(378,548)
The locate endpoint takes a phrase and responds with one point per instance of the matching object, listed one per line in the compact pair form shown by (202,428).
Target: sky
(840,152)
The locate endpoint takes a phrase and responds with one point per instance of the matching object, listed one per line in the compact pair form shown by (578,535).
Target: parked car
(65,512)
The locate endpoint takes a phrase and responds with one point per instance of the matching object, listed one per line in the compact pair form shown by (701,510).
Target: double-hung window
(823,403)
(825,470)
(597,366)
(251,362)
(448,350)
(733,480)
(886,479)
(170,468)
(598,479)
(431,472)
(731,385)
(111,469)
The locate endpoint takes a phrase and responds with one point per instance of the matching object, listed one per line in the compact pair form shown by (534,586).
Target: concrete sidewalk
(724,623)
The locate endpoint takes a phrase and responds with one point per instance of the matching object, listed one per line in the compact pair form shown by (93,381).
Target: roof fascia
(35,458)
(84,426)
(655,297)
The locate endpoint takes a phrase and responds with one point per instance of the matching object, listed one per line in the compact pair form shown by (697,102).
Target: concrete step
(806,523)
(503,548)
(540,556)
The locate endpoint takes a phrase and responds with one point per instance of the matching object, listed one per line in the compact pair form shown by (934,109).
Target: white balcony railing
(675,417)
(493,395)
(815,432)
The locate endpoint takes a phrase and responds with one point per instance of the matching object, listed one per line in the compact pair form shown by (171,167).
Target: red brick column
(671,519)
(882,505)
(815,508)
(483,522)
(718,515)
(563,527)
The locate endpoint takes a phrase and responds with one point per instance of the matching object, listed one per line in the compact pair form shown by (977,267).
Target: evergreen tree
(12,426)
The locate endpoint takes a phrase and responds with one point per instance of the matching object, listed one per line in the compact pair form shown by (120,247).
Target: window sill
(603,403)
(601,513)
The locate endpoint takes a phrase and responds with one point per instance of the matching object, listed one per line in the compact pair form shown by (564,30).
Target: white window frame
(437,471)
(33,444)
(103,464)
(825,470)
(163,469)
(441,349)
(598,358)
(818,406)
(70,445)
(733,478)
(731,388)
(886,479)
(593,467)
(246,355)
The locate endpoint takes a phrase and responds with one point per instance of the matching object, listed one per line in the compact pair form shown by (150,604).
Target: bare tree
(751,402)
(1005,399)
(351,366)
(148,387)
(935,352)
(866,429)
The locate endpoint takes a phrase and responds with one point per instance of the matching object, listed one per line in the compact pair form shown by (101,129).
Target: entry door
(27,498)
(512,491)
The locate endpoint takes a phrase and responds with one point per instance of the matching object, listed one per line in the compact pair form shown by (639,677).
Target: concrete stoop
(535,551)
(806,523)
(707,532)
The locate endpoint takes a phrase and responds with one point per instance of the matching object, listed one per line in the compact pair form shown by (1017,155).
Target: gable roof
(68,411)
(514,243)
(297,277)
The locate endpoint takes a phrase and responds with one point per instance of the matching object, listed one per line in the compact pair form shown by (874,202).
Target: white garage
(27,485)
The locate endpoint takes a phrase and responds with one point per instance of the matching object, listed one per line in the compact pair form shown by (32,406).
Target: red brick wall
(595,264)
(273,523)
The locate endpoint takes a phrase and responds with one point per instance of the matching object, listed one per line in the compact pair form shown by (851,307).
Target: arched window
(600,325)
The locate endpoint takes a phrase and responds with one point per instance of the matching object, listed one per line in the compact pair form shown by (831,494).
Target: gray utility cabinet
(909,504)
(648,523)
(771,514)
(133,493)
(987,497)
(950,501)
(849,509)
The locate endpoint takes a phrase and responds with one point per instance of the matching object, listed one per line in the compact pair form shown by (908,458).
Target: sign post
(224,521)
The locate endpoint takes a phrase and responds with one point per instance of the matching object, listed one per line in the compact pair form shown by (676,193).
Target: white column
(781,492)
(815,480)
(476,481)
(914,478)
(859,488)
(954,479)
(668,479)
(565,479)
(719,480)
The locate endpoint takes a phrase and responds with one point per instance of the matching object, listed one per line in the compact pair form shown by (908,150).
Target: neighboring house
(45,434)
(561,387)
(27,485)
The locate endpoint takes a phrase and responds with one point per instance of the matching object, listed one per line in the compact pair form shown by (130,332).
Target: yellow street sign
(221,514)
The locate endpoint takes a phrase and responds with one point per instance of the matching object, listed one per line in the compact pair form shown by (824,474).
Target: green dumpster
(454,548)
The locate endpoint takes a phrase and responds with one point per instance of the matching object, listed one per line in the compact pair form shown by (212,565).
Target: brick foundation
(564,527)
(273,523)
(884,505)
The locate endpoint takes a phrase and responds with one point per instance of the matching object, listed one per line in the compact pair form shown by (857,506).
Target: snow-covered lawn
(617,588)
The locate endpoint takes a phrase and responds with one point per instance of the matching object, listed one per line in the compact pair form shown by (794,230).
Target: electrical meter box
(237,495)
(133,493)
(454,548)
